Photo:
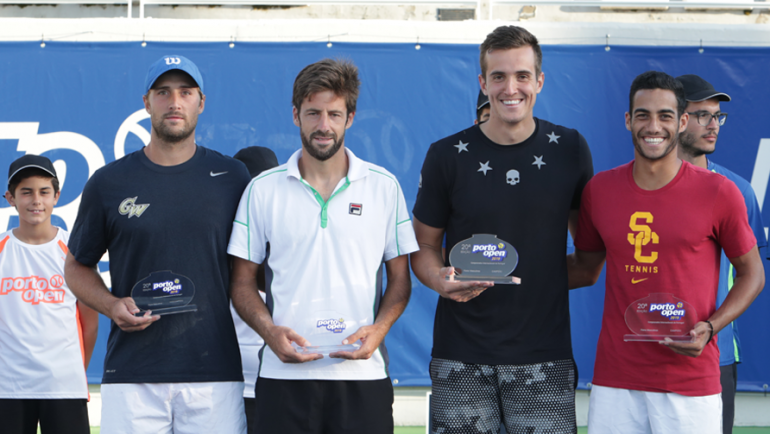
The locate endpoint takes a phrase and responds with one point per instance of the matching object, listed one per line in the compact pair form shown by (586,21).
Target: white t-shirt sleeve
(400,239)
(248,240)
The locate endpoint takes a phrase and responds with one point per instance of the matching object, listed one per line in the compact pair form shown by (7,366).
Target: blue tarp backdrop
(80,104)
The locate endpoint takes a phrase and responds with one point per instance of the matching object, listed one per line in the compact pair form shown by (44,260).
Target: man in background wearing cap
(257,159)
(482,108)
(46,335)
(697,141)
(164,214)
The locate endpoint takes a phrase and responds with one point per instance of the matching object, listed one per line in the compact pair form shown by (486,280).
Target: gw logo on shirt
(333,325)
(130,207)
(642,236)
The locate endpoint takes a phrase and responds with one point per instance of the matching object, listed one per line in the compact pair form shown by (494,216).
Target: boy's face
(34,199)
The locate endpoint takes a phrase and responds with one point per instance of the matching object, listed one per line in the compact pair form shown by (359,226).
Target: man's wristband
(711,326)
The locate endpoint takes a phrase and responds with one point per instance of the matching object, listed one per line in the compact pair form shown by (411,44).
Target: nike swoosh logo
(216,174)
(635,281)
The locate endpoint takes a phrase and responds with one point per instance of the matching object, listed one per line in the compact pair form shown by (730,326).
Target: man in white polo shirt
(323,224)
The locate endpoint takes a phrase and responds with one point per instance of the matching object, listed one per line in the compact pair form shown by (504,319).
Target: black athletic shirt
(153,218)
(523,194)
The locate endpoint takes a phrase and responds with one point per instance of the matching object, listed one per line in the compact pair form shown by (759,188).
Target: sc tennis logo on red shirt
(34,289)
(642,236)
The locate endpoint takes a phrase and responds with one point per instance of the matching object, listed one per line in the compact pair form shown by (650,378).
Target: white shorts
(179,408)
(623,411)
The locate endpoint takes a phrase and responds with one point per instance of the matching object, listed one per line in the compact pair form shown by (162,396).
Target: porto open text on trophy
(164,293)
(658,317)
(484,257)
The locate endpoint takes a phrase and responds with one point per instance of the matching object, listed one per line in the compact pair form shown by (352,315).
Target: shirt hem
(648,388)
(367,376)
(135,380)
(44,396)
(501,360)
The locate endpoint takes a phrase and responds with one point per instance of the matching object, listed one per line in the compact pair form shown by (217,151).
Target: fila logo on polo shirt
(355,208)
(35,289)
(131,208)
(173,61)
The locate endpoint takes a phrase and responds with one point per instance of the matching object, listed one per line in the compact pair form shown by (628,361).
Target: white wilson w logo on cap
(173,61)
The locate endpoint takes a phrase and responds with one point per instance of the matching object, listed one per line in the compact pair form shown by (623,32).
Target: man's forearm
(584,268)
(88,286)
(396,297)
(749,282)
(426,264)
(248,303)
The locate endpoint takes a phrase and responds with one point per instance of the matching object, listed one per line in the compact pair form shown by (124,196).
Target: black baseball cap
(697,89)
(481,101)
(30,161)
(257,159)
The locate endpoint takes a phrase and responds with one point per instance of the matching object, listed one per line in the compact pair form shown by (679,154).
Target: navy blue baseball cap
(168,63)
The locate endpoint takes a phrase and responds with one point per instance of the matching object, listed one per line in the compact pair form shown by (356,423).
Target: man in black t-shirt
(503,352)
(165,214)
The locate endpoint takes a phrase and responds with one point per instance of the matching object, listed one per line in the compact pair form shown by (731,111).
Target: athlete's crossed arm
(89,288)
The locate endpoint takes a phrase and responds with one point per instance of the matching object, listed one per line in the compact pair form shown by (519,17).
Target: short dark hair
(337,75)
(658,80)
(505,38)
(13,184)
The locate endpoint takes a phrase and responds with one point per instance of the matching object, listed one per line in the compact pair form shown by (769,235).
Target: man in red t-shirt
(660,224)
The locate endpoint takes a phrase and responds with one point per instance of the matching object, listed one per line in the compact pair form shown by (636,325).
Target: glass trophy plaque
(325,349)
(327,328)
(164,293)
(484,257)
(659,316)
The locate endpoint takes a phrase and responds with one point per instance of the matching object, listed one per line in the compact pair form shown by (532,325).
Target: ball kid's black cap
(30,161)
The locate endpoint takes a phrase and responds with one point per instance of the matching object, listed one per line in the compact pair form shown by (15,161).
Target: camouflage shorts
(475,399)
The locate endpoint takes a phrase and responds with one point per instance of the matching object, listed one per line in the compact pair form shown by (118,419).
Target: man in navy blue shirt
(164,214)
(697,141)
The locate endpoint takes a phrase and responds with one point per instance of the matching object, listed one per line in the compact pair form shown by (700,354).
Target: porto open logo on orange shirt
(34,289)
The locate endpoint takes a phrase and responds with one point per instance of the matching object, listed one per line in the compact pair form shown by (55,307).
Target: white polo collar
(357,168)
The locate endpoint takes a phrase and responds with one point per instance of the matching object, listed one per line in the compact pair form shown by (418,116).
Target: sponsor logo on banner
(332,325)
(35,289)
